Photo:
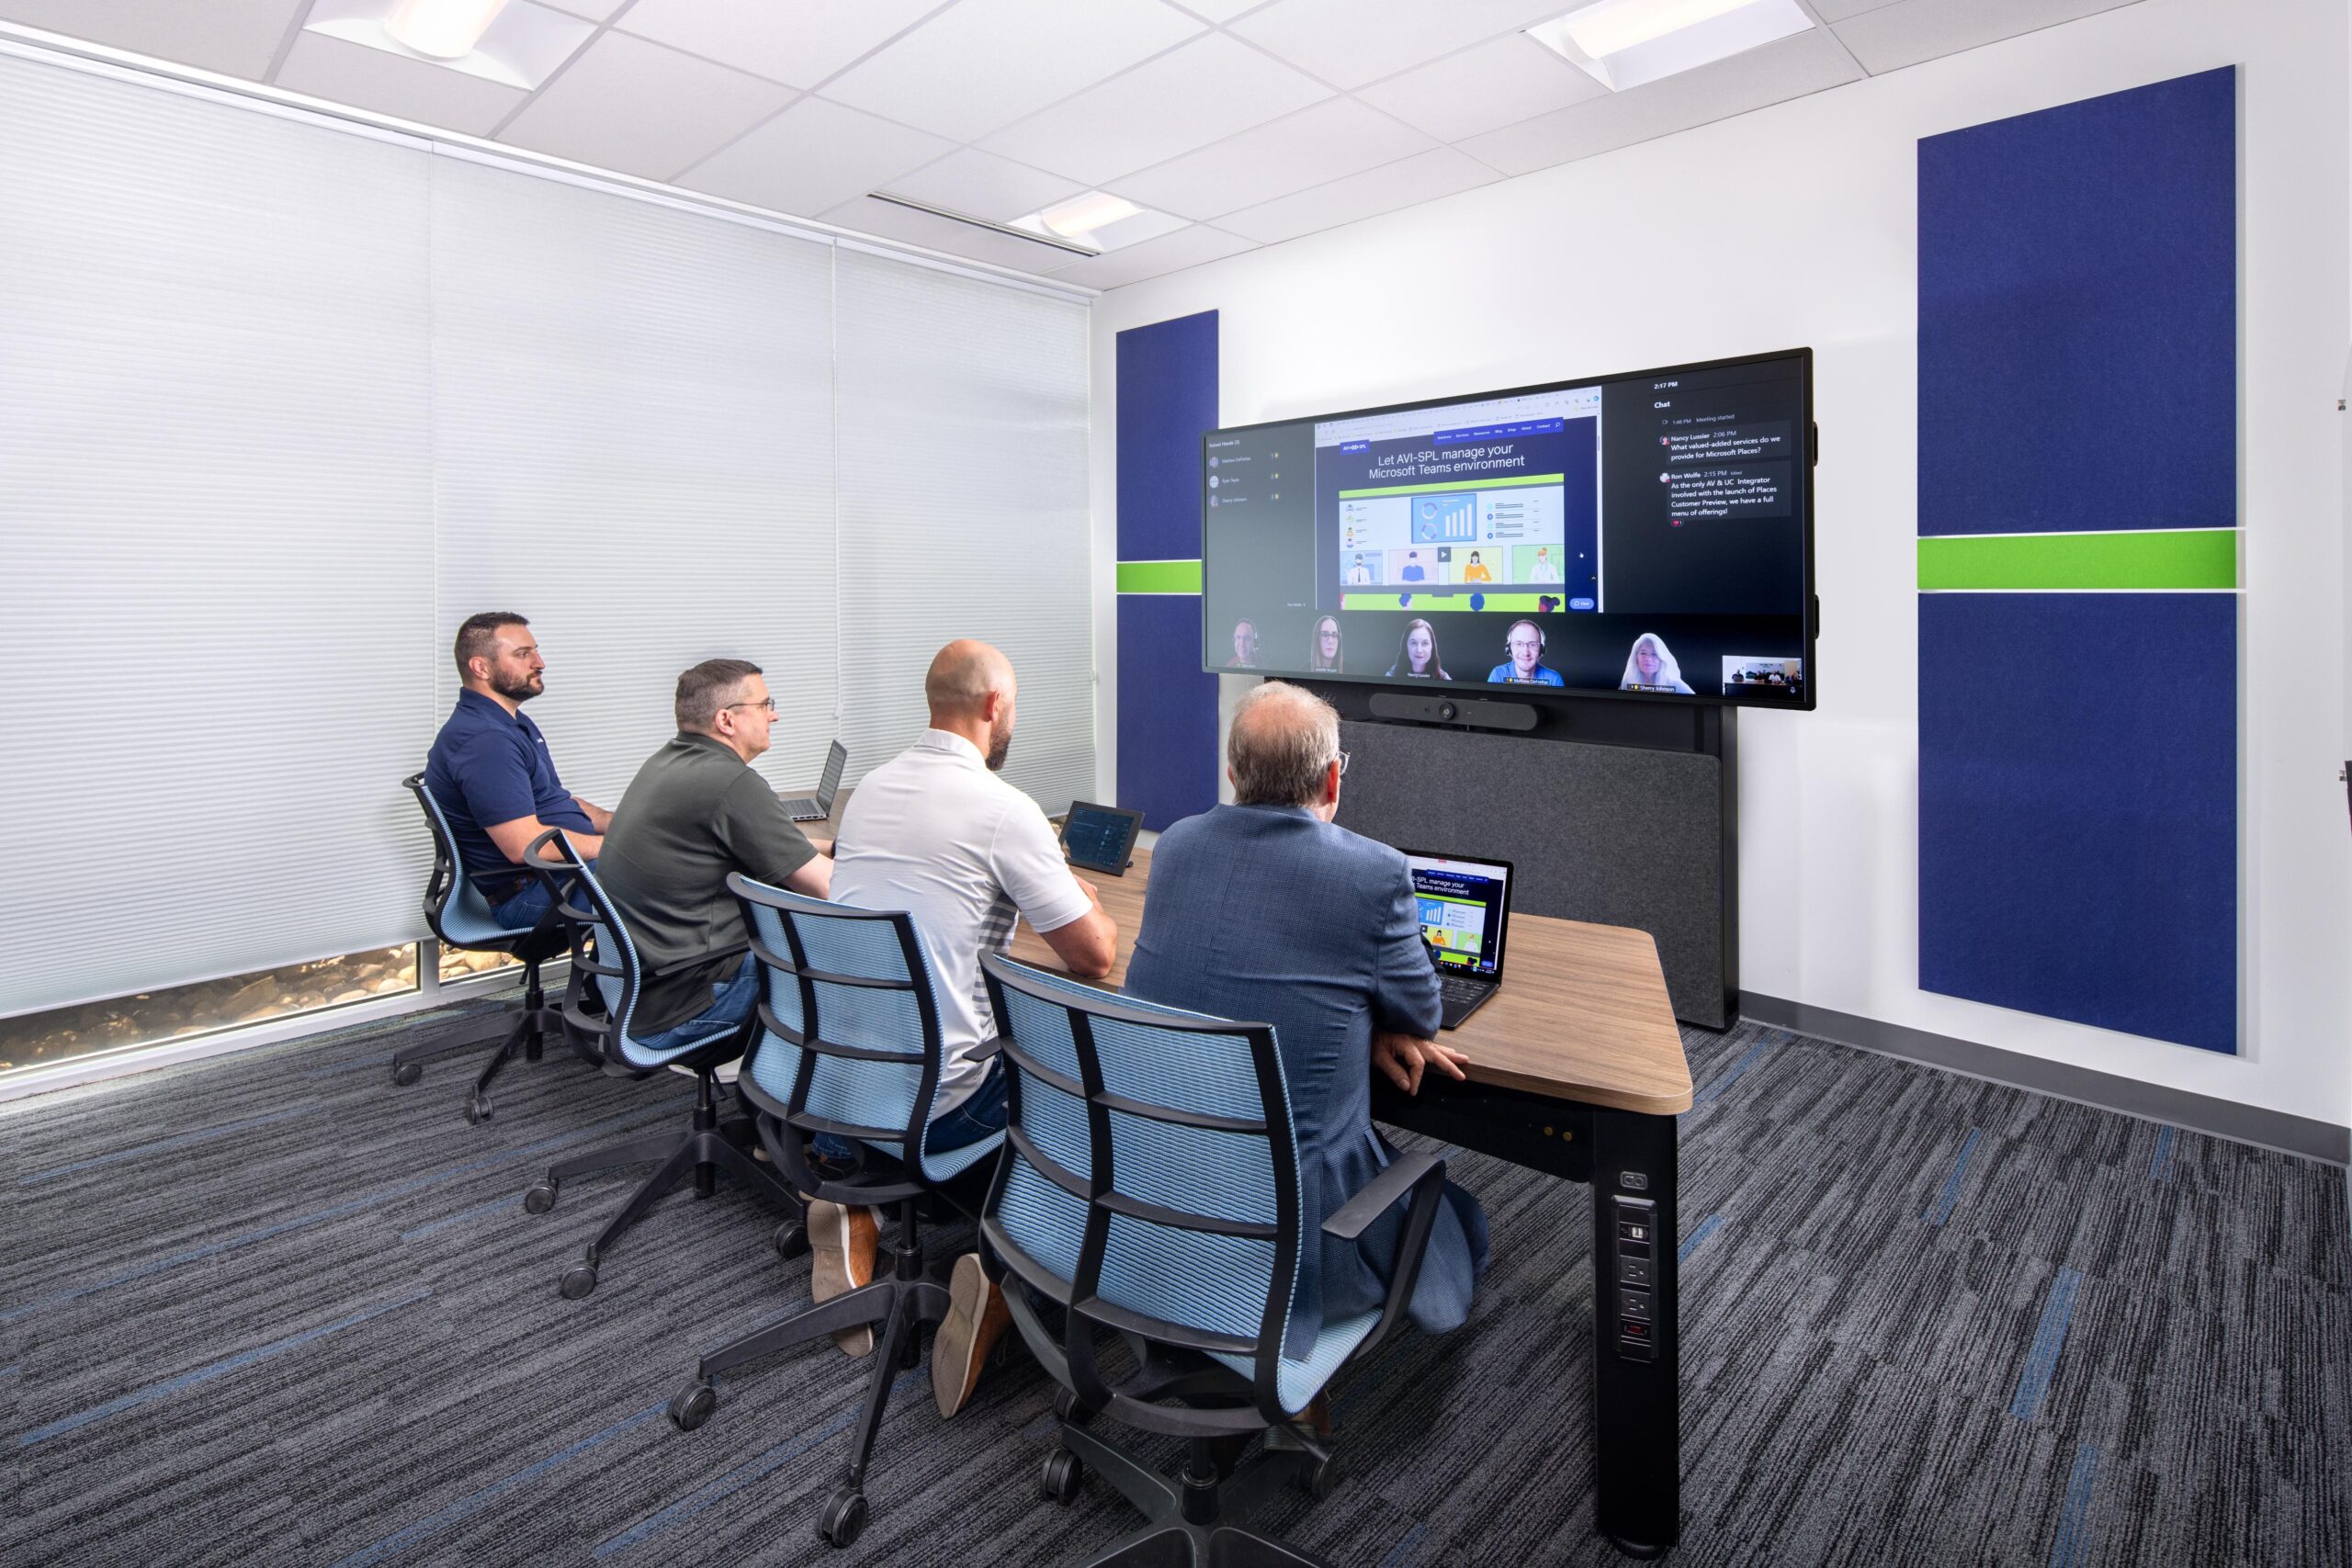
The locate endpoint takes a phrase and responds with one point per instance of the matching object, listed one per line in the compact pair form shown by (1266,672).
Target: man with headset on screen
(1524,643)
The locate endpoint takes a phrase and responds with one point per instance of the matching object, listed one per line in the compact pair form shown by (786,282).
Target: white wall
(1796,225)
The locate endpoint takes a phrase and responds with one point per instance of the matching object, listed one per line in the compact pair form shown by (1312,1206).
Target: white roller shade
(632,417)
(964,507)
(215,555)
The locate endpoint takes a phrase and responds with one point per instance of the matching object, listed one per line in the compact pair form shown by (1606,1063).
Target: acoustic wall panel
(1167,398)
(2077,567)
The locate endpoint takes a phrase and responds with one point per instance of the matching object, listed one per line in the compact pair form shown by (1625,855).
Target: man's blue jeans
(522,911)
(981,1114)
(730,1003)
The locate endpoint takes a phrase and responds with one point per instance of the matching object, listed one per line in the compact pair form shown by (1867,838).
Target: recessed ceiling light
(445,29)
(1081,215)
(1624,44)
(514,43)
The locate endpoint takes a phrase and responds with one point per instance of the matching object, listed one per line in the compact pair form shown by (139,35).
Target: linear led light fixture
(1034,236)
(1626,43)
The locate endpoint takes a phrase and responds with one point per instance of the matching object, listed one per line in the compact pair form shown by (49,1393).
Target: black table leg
(1636,1403)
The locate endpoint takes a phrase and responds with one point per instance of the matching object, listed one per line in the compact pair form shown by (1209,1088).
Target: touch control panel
(1637,1243)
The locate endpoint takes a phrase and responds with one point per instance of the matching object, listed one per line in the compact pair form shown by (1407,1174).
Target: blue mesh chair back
(1150,1178)
(454,907)
(848,1040)
(601,948)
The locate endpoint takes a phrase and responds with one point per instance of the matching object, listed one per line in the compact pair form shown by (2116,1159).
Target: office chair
(848,1045)
(1149,1186)
(601,950)
(460,916)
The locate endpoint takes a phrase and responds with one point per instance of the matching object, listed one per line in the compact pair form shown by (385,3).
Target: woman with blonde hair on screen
(1650,668)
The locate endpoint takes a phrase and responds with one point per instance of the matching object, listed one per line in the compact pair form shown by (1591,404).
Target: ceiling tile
(1143,226)
(812,156)
(1806,62)
(982,64)
(1911,31)
(882,220)
(1186,247)
(1337,137)
(1219,11)
(236,38)
(1838,10)
(594,10)
(1423,177)
(345,73)
(629,105)
(1499,83)
(985,186)
(1349,43)
(1204,92)
(801,43)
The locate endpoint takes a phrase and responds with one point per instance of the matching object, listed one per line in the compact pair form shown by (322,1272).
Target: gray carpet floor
(269,1308)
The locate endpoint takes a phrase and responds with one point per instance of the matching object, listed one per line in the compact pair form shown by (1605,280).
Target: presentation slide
(1461,914)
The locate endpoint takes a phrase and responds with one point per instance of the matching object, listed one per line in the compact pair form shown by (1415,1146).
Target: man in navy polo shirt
(491,771)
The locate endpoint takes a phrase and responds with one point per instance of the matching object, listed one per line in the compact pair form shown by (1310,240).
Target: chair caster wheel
(691,1406)
(577,1281)
(844,1519)
(791,1240)
(539,1198)
(1062,1477)
(1319,1479)
(1066,1408)
(407,1073)
(478,1111)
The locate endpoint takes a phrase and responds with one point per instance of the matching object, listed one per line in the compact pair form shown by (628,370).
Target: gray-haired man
(1331,956)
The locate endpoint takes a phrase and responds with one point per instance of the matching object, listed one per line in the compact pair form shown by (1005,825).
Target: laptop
(818,807)
(1464,909)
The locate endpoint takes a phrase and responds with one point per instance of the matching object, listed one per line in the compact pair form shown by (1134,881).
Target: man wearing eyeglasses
(1330,954)
(694,812)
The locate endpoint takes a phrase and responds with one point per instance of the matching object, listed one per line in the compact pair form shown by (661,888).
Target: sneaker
(977,1317)
(842,1244)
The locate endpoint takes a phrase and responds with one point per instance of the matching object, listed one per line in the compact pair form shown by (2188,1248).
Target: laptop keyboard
(1460,988)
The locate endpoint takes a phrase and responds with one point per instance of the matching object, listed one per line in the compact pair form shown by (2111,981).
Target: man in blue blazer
(1265,911)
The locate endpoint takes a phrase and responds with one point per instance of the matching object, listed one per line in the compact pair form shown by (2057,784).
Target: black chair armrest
(1352,1218)
(1424,1177)
(984,1050)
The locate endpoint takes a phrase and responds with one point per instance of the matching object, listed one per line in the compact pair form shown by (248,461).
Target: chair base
(899,1306)
(1193,1522)
(535,1025)
(703,1152)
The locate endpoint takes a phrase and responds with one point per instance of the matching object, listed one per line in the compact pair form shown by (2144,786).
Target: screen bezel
(1811,615)
(1502,920)
(1127,846)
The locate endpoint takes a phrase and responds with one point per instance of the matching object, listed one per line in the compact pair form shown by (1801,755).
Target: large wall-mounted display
(1647,535)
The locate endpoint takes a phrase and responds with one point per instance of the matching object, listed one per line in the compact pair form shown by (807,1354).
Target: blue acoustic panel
(1167,398)
(2079,315)
(2078,807)
(1167,760)
(1167,739)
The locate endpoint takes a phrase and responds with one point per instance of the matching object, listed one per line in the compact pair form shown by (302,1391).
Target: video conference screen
(1649,535)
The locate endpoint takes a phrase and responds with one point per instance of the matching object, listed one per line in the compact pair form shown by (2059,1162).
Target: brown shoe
(842,1244)
(977,1317)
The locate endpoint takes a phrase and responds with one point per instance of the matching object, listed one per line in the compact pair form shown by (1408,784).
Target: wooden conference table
(1576,1070)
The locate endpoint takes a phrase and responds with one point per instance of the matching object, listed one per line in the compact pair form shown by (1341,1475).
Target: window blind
(214,560)
(962,409)
(633,445)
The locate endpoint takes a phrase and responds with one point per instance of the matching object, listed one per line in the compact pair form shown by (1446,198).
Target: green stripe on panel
(2170,558)
(1159,577)
(1453,597)
(1513,483)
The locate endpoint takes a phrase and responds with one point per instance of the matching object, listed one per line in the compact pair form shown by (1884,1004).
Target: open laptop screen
(1463,907)
(836,758)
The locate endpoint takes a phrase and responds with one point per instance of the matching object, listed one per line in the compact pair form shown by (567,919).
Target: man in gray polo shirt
(694,812)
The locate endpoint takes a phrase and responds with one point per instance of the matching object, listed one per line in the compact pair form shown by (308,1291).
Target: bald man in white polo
(936,832)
